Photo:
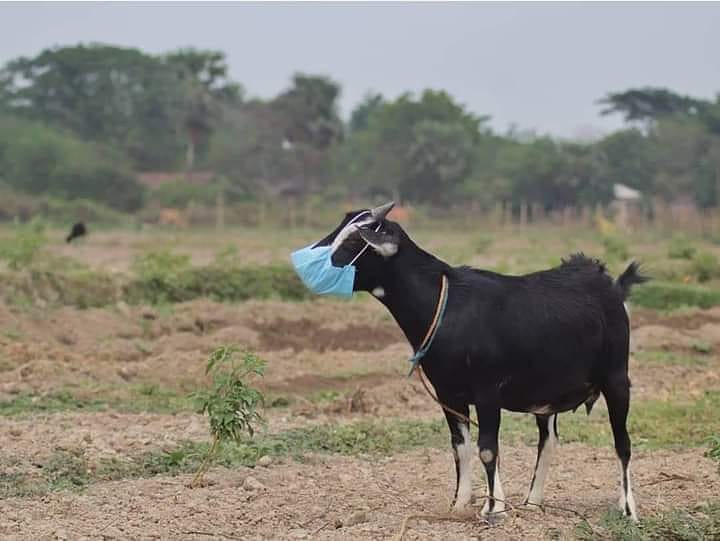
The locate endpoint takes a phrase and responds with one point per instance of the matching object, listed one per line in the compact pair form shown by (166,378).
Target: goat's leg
(489,421)
(547,442)
(617,396)
(462,452)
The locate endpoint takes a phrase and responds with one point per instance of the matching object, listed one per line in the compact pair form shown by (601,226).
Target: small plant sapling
(230,403)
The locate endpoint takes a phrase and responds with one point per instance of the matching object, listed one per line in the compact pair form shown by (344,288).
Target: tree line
(82,121)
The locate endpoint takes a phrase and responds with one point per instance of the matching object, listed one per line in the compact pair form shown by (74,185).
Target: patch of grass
(23,247)
(701,346)
(64,469)
(714,448)
(669,296)
(12,334)
(60,401)
(658,423)
(615,247)
(482,243)
(700,523)
(129,399)
(324,396)
(652,424)
(86,288)
(68,469)
(705,266)
(680,247)
(82,288)
(670,358)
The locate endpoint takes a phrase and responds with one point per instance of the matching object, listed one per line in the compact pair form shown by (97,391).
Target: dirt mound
(691,320)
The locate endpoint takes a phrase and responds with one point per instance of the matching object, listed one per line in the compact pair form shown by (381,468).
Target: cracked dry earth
(322,496)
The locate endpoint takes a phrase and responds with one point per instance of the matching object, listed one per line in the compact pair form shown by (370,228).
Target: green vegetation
(669,296)
(22,248)
(161,278)
(77,120)
(653,424)
(69,469)
(615,248)
(681,247)
(698,524)
(128,399)
(230,404)
(37,159)
(220,283)
(705,266)
(670,357)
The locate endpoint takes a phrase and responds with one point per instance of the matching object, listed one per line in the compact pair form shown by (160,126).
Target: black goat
(542,343)
(78,230)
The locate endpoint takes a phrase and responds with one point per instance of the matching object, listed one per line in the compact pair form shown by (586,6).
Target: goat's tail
(629,278)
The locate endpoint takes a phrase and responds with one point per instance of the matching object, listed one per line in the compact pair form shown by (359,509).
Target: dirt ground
(342,350)
(347,498)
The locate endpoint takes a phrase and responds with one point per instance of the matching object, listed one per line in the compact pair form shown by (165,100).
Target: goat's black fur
(545,342)
(78,230)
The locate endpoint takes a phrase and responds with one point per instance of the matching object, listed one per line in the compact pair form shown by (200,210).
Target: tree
(102,93)
(650,104)
(207,89)
(629,159)
(310,109)
(37,159)
(438,158)
(360,117)
(688,161)
(412,148)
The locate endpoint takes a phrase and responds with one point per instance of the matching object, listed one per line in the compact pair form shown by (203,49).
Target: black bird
(78,230)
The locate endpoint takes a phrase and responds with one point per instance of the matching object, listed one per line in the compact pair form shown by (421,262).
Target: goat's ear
(383,243)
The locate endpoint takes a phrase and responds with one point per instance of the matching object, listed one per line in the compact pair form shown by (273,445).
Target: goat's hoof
(494,517)
(631,516)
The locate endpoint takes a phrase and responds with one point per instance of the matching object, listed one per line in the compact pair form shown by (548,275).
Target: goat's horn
(379,213)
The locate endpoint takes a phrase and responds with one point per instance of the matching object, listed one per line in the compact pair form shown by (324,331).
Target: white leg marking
(499,493)
(543,465)
(627,500)
(465,454)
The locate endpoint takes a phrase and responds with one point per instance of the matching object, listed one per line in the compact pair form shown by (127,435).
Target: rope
(423,380)
(434,326)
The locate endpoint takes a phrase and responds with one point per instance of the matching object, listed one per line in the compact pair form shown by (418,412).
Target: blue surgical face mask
(315,268)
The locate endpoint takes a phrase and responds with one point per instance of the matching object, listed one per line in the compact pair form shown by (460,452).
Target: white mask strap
(367,245)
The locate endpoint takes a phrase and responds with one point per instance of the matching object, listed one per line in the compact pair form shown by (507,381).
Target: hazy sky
(539,65)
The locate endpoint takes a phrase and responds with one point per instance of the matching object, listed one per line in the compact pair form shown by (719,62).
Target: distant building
(627,205)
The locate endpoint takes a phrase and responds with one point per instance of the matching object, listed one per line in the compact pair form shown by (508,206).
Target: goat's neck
(411,292)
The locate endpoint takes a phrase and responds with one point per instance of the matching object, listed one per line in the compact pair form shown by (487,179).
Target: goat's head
(366,240)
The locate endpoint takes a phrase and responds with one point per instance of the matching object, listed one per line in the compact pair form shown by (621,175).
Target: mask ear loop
(367,245)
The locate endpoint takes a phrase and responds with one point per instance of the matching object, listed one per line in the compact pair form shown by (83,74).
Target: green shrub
(668,296)
(230,404)
(680,247)
(615,247)
(705,266)
(162,276)
(20,250)
(38,159)
(82,288)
